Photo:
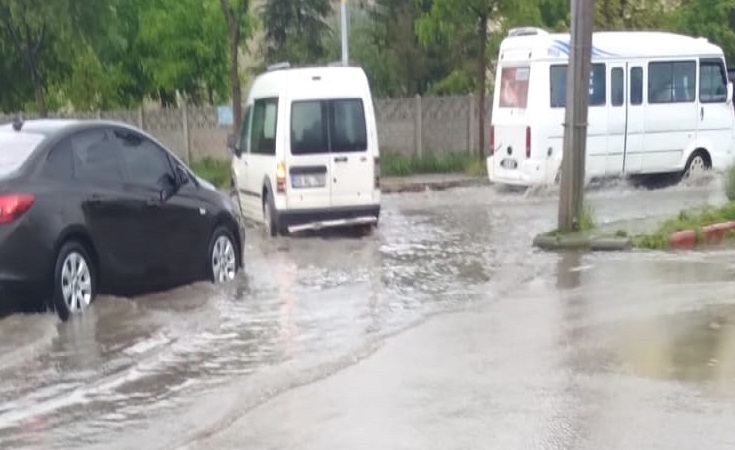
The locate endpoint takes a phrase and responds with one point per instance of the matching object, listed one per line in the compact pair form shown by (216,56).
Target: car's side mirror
(182,176)
(232,145)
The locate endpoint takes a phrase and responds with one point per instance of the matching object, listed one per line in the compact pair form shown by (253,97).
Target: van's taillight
(281,178)
(377,172)
(13,206)
(528,142)
(492,140)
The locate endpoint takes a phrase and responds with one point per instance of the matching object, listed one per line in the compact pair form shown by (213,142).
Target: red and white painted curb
(711,234)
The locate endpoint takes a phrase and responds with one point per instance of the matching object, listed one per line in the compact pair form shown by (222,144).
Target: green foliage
(685,220)
(215,171)
(92,54)
(397,164)
(295,30)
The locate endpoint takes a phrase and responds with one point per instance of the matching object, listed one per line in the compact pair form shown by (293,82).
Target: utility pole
(345,44)
(571,197)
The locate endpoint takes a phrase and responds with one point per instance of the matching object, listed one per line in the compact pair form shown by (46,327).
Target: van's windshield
(514,87)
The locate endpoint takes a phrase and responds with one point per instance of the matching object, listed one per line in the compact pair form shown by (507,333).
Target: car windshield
(15,148)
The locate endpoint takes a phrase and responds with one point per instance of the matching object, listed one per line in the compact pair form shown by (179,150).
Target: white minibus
(660,103)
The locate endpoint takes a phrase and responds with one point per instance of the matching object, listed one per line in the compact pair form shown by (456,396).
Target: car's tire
(75,282)
(695,166)
(269,215)
(223,259)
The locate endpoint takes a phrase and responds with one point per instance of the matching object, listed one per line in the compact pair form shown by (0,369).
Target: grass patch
(396,164)
(216,171)
(685,220)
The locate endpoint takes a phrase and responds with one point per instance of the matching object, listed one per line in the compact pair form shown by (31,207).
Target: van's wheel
(269,214)
(696,166)
(223,258)
(75,284)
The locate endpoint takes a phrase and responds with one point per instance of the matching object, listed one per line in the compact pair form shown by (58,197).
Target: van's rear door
(309,166)
(351,156)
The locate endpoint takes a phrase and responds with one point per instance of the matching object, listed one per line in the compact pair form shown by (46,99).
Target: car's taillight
(377,172)
(281,178)
(13,206)
(528,142)
(492,140)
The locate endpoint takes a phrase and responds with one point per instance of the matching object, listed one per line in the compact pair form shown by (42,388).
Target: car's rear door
(114,217)
(352,167)
(309,167)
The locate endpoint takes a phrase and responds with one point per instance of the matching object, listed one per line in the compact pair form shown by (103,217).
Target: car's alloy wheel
(223,256)
(74,282)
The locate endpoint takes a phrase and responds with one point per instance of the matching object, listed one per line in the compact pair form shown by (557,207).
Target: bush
(397,164)
(216,171)
(730,183)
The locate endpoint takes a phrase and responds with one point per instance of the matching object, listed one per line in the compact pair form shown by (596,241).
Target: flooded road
(176,367)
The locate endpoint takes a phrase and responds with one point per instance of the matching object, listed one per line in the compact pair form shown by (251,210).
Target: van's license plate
(308,181)
(508,163)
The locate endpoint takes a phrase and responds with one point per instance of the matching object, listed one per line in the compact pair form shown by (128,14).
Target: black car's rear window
(15,148)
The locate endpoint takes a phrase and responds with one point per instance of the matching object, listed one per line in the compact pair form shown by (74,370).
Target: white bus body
(657,102)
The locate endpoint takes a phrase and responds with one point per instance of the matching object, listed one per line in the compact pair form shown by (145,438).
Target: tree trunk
(482,77)
(232,17)
(38,89)
(235,78)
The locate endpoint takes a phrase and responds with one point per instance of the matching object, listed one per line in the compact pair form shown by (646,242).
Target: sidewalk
(434,182)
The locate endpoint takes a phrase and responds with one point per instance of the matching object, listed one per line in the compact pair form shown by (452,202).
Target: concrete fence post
(418,127)
(141,119)
(185,125)
(471,124)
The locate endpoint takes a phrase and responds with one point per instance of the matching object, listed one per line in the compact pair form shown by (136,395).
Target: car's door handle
(95,199)
(701,113)
(153,202)
(340,159)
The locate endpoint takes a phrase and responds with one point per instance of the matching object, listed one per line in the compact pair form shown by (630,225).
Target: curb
(419,186)
(711,235)
(582,242)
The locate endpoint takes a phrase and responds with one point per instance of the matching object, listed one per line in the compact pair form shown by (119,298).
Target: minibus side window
(712,81)
(636,86)
(671,82)
(558,85)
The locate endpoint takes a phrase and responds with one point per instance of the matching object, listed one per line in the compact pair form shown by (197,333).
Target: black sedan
(98,207)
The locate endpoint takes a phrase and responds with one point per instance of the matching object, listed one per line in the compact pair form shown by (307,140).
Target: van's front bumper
(317,219)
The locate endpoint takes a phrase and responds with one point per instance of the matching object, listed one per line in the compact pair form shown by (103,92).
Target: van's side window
(348,132)
(636,86)
(308,127)
(617,87)
(671,81)
(712,81)
(558,85)
(263,126)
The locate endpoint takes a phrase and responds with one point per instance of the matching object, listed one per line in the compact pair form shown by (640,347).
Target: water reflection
(691,346)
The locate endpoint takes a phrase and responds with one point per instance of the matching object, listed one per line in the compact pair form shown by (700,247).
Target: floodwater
(181,366)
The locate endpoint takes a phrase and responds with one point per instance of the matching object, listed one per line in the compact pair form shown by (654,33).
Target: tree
(40,30)
(713,19)
(185,48)
(238,27)
(295,30)
(460,17)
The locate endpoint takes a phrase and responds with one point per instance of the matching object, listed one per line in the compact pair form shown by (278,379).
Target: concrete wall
(405,125)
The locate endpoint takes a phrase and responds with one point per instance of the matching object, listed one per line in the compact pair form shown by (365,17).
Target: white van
(307,156)
(659,103)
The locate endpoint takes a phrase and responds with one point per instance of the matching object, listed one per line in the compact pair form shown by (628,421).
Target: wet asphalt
(304,350)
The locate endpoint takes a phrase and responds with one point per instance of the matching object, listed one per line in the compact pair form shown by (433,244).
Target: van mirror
(232,145)
(729,92)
